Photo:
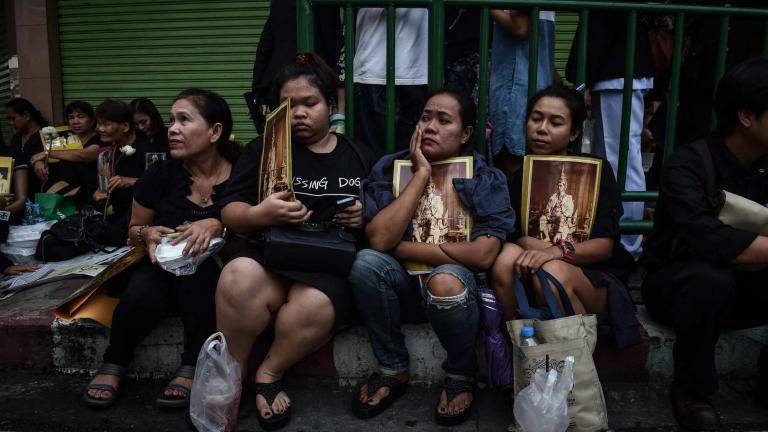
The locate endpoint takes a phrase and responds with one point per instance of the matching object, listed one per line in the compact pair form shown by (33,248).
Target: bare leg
(503,279)
(584,297)
(302,326)
(246,297)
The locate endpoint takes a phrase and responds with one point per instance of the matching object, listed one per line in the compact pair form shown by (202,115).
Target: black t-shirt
(128,166)
(606,224)
(28,149)
(165,188)
(319,179)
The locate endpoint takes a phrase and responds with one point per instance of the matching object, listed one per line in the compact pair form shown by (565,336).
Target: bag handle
(524,307)
(545,278)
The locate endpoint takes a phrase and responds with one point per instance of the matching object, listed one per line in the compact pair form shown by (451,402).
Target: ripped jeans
(381,284)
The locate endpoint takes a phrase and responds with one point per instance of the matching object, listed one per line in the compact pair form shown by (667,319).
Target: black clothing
(81,174)
(277,45)
(462,32)
(30,148)
(685,226)
(691,283)
(165,188)
(319,180)
(153,294)
(606,40)
(605,225)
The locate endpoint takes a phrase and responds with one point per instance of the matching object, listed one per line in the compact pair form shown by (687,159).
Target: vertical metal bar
(626,101)
(482,95)
(533,51)
(722,54)
(765,39)
(349,71)
(436,44)
(581,64)
(674,86)
(305,26)
(390,93)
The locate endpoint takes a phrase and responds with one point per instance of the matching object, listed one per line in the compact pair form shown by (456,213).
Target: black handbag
(309,247)
(72,236)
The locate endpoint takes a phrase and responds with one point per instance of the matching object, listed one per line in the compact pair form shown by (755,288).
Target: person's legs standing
(370,116)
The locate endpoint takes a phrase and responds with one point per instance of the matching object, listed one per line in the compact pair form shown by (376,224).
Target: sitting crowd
(703,274)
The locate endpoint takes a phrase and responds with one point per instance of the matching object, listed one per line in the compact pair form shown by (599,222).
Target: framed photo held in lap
(560,195)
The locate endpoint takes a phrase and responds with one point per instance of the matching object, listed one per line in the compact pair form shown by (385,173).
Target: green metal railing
(437,59)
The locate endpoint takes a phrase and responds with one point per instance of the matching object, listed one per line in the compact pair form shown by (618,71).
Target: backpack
(73,236)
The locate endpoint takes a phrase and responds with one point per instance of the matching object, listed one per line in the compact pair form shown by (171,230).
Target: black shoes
(693,413)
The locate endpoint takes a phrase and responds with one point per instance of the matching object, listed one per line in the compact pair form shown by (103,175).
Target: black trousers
(699,299)
(371,114)
(153,294)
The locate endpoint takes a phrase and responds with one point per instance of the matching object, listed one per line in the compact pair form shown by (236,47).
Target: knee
(446,291)
(310,308)
(562,271)
(369,268)
(502,267)
(236,284)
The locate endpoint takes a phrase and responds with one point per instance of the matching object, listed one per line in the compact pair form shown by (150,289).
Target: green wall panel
(5,77)
(565,29)
(157,48)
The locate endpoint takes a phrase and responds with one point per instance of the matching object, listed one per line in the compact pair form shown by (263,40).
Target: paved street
(52,403)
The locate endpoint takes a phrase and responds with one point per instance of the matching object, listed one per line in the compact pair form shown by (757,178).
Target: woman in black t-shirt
(26,121)
(306,306)
(555,116)
(180,195)
(148,121)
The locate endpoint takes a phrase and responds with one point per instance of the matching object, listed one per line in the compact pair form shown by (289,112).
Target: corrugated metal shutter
(5,76)
(156,48)
(565,29)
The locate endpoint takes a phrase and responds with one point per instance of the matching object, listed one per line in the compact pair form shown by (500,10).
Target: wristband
(139,238)
(568,250)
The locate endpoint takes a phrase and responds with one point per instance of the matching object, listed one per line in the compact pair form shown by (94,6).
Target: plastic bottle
(37,212)
(28,216)
(528,336)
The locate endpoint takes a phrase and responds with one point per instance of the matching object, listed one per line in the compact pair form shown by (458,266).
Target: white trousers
(606,110)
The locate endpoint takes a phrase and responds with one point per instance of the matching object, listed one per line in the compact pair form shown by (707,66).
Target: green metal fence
(583,8)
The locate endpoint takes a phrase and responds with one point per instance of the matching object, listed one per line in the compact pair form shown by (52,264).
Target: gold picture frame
(559,197)
(6,174)
(440,216)
(275,166)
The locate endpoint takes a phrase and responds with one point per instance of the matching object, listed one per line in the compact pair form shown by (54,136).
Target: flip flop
(173,402)
(376,381)
(269,392)
(453,388)
(105,369)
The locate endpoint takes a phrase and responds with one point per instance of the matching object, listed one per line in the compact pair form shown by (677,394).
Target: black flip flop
(173,402)
(376,381)
(105,369)
(269,392)
(453,388)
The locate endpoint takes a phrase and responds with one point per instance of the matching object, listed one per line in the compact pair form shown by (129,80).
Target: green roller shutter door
(5,76)
(156,48)
(565,29)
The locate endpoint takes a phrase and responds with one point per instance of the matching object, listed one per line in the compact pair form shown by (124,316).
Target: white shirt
(411,50)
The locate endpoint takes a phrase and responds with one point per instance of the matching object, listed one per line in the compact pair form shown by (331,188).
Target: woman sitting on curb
(180,195)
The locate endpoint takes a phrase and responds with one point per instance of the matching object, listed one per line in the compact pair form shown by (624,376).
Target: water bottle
(528,336)
(37,212)
(28,216)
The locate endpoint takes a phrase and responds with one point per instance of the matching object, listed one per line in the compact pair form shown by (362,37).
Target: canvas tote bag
(558,338)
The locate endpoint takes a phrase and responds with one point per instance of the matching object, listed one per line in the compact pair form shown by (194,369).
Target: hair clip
(302,59)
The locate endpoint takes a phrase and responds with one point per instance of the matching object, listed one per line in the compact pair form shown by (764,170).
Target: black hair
(745,87)
(572,99)
(156,124)
(312,67)
(83,108)
(115,111)
(467,107)
(214,109)
(22,106)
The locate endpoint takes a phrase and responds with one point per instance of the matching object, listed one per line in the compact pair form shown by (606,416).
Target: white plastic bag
(215,396)
(170,258)
(543,405)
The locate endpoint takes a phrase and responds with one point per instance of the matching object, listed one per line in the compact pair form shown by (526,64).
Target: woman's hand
(530,261)
(419,161)
(119,182)
(16,270)
(351,217)
(41,171)
(152,237)
(100,196)
(198,235)
(277,210)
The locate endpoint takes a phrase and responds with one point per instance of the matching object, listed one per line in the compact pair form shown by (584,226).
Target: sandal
(105,369)
(453,388)
(269,392)
(170,401)
(376,381)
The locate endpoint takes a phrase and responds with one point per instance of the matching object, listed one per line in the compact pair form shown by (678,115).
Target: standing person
(177,195)
(115,126)
(277,46)
(147,120)
(462,59)
(703,275)
(75,167)
(606,38)
(509,80)
(26,122)
(411,27)
(305,306)
(385,292)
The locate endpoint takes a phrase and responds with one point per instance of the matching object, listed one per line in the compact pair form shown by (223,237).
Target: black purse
(309,247)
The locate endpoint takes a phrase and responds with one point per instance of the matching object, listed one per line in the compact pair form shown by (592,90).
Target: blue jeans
(379,283)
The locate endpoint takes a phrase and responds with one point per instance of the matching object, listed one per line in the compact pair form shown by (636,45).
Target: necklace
(205,198)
